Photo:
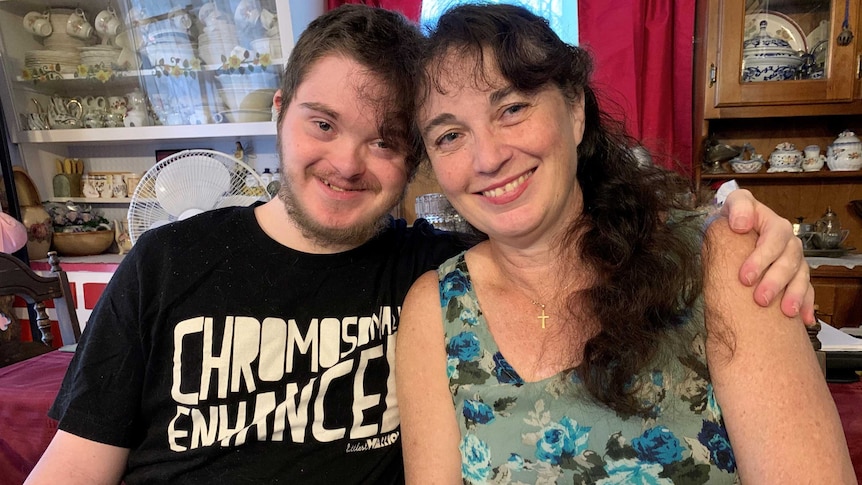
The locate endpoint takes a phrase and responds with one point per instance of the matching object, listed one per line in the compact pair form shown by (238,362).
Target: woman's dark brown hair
(648,274)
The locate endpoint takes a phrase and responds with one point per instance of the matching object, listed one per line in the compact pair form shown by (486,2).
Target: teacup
(78,26)
(38,23)
(94,103)
(812,151)
(267,19)
(107,22)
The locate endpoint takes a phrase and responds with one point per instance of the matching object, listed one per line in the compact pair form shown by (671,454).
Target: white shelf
(92,200)
(143,133)
(275,64)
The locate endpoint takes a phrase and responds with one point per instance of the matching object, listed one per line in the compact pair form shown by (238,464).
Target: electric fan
(188,183)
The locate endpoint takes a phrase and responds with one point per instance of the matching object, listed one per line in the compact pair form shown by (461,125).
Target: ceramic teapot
(785,158)
(845,153)
(767,58)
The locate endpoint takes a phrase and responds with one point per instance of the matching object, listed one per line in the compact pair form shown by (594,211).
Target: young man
(256,344)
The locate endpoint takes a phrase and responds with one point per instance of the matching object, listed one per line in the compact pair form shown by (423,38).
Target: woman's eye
(381,144)
(515,108)
(324,126)
(447,138)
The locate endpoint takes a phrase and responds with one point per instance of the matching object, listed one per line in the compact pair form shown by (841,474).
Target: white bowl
(746,166)
(778,68)
(236,99)
(195,182)
(244,115)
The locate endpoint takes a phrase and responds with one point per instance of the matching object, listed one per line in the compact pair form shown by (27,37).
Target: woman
(600,334)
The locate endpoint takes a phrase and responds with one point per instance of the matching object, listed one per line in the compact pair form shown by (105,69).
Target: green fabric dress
(551,432)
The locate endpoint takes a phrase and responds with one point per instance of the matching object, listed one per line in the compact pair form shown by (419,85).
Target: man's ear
(277,99)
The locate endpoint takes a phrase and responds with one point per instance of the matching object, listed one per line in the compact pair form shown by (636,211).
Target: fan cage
(195,183)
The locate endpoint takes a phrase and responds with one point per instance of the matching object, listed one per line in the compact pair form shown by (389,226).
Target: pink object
(13,234)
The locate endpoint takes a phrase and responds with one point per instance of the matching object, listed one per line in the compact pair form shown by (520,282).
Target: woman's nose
(491,151)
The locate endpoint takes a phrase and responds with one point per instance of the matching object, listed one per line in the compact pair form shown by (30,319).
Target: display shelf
(785,176)
(92,200)
(122,74)
(154,133)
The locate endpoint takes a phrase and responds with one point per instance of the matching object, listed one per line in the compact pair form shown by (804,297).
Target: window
(562,14)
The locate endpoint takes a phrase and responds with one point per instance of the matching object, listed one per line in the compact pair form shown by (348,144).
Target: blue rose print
(504,372)
(577,437)
(464,346)
(549,448)
(454,284)
(516,462)
(475,459)
(565,439)
(629,471)
(712,406)
(478,412)
(658,378)
(452,368)
(714,437)
(468,316)
(658,445)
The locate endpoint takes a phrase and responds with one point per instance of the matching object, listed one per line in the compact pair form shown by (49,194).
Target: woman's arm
(429,431)
(780,417)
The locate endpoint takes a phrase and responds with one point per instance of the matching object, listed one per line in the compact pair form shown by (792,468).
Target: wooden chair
(16,278)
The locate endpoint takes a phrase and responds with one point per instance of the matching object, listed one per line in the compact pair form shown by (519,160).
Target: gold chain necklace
(543,317)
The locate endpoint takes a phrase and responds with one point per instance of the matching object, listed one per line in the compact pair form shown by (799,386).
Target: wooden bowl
(83,243)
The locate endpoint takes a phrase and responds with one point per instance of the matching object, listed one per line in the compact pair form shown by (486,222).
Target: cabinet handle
(859,66)
(713,71)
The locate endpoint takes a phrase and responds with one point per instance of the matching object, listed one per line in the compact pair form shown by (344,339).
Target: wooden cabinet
(839,295)
(811,108)
(828,81)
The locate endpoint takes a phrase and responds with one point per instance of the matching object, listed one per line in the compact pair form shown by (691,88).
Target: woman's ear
(579,116)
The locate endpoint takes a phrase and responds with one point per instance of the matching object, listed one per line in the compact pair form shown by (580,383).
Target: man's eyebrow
(321,108)
(438,120)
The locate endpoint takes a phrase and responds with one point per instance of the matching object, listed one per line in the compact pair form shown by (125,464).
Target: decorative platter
(827,253)
(777,25)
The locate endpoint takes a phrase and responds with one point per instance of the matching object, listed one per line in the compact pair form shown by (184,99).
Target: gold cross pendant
(543,317)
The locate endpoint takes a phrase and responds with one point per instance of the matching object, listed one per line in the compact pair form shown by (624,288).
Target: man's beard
(352,236)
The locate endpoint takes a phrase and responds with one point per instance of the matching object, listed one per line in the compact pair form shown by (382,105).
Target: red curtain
(643,53)
(410,8)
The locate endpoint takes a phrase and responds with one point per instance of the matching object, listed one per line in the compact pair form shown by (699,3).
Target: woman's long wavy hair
(647,274)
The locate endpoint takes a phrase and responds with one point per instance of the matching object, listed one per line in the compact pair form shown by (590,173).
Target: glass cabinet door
(784,52)
(94,66)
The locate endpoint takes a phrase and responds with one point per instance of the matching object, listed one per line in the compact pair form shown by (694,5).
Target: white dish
(777,25)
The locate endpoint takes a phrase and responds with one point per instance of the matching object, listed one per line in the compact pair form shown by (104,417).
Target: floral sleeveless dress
(552,432)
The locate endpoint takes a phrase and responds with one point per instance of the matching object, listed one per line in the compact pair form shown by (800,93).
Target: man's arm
(71,459)
(777,263)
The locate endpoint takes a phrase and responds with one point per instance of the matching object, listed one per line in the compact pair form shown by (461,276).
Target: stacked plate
(68,60)
(96,55)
